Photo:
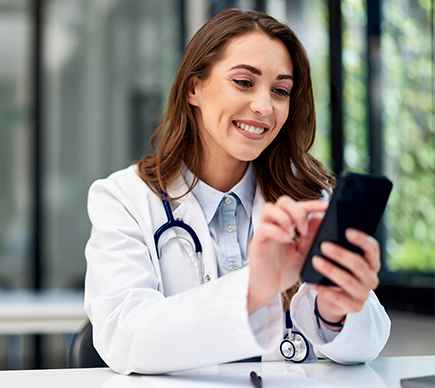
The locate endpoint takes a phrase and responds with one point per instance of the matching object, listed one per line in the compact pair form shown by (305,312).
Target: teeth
(250,128)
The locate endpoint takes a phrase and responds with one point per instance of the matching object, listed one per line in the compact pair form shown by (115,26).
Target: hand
(334,303)
(275,258)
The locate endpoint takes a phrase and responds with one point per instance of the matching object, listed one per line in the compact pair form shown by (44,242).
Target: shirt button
(228,200)
(230,228)
(234,266)
(207,278)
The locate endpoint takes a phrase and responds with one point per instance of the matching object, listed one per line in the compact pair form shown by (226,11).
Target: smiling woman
(178,140)
(232,172)
(240,109)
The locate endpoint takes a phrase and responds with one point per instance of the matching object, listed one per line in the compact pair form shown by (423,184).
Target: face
(242,105)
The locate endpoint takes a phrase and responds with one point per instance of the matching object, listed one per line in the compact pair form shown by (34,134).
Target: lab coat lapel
(257,206)
(188,209)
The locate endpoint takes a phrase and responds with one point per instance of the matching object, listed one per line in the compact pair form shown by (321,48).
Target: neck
(223,176)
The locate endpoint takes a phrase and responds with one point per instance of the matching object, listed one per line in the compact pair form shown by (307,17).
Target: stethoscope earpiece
(295,346)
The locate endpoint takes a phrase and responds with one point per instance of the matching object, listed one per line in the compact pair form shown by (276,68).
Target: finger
(313,227)
(368,244)
(276,215)
(343,279)
(269,231)
(352,261)
(295,212)
(336,301)
(299,211)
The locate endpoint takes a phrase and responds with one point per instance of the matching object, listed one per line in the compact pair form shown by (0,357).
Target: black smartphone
(358,202)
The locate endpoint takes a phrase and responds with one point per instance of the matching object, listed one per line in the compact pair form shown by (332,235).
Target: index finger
(300,210)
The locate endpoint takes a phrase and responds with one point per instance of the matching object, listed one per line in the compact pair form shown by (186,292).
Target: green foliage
(408,118)
(354,87)
(316,14)
(408,96)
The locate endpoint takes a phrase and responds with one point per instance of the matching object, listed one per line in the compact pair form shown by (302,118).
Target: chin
(248,157)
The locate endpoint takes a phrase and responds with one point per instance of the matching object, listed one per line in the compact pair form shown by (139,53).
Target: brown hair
(285,166)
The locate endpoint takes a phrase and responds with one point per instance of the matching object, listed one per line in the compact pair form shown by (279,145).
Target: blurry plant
(408,96)
(354,84)
(408,118)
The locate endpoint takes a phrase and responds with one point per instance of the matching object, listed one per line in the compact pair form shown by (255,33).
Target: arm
(362,338)
(136,328)
(277,261)
(275,258)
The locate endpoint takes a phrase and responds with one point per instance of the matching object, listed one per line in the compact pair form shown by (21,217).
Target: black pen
(256,380)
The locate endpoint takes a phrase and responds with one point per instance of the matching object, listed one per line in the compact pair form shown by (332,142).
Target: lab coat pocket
(178,262)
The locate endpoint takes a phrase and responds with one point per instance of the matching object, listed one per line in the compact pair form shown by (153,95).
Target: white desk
(44,312)
(381,373)
(39,312)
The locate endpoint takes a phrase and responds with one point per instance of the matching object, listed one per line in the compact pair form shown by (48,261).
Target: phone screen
(358,202)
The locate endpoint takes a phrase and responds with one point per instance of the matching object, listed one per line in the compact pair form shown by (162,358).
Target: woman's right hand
(275,257)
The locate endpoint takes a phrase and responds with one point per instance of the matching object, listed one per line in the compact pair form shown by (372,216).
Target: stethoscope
(172,223)
(294,347)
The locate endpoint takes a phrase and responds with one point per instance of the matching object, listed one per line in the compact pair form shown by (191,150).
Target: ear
(192,95)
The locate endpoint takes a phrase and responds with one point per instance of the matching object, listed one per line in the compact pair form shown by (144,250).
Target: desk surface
(380,373)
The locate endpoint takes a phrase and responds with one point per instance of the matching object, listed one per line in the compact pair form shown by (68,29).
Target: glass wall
(407,98)
(108,70)
(15,144)
(354,38)
(310,22)
(408,103)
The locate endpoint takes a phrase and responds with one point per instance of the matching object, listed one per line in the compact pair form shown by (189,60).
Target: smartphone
(358,202)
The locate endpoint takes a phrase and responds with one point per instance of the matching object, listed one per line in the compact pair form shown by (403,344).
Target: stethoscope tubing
(294,347)
(173,223)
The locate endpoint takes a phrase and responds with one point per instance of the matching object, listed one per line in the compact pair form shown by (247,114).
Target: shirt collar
(210,198)
(245,189)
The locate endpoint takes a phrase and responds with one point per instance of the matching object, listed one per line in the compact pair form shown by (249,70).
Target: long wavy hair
(285,166)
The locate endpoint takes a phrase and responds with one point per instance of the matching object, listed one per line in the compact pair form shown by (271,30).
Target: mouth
(250,128)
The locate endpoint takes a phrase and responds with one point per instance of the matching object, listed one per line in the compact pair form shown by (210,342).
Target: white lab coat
(151,316)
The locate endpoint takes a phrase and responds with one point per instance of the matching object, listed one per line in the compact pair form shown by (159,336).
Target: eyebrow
(254,70)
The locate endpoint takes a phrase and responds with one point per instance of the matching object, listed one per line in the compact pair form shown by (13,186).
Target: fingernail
(351,233)
(317,261)
(326,247)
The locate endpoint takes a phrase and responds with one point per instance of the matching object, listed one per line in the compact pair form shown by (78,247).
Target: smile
(250,128)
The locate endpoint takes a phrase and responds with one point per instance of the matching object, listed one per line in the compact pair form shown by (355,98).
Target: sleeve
(136,328)
(362,338)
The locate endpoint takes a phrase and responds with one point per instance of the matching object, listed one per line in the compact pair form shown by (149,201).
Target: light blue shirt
(228,216)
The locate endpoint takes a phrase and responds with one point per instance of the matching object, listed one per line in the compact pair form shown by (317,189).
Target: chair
(83,353)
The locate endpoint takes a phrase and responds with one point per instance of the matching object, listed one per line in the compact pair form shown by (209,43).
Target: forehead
(259,50)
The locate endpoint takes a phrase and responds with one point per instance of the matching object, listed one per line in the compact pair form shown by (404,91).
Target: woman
(232,159)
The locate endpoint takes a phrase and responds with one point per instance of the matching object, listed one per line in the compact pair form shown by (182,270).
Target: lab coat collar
(190,211)
(210,198)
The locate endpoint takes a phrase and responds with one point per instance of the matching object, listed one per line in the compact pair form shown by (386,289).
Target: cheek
(282,115)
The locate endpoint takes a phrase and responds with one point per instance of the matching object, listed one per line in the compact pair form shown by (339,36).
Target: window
(408,105)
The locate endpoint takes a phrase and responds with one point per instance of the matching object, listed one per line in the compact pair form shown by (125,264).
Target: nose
(261,103)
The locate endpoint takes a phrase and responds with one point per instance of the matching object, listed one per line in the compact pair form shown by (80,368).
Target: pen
(256,380)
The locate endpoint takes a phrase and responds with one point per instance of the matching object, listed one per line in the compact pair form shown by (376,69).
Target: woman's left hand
(352,290)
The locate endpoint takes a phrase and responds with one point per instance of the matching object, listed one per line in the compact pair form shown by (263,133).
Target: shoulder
(124,185)
(124,179)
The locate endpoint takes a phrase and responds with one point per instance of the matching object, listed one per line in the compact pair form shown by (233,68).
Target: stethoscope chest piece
(295,346)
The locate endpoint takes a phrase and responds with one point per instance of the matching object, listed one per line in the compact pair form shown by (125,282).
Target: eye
(244,83)
(281,92)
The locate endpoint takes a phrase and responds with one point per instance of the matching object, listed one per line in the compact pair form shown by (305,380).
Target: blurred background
(83,84)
